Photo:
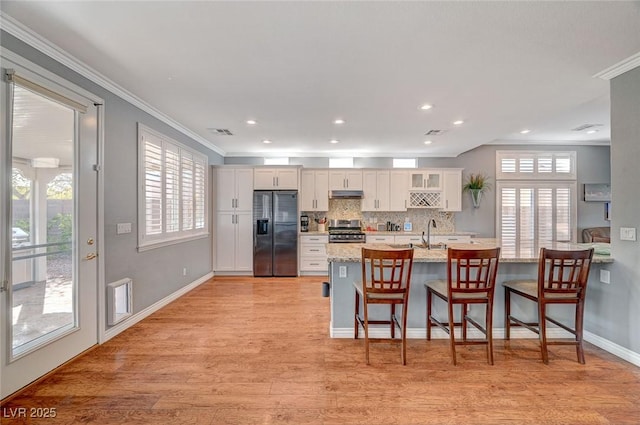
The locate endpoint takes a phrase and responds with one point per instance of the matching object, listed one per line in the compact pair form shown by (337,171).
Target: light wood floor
(257,351)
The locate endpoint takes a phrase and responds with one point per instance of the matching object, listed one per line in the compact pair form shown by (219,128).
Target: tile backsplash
(350,209)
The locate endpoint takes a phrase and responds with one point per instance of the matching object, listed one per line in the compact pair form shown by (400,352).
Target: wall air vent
(585,127)
(220,131)
(434,132)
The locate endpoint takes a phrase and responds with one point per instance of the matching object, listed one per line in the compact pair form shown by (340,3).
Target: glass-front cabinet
(425,180)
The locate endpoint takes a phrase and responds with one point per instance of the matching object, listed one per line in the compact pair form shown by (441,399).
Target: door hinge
(5,286)
(97,167)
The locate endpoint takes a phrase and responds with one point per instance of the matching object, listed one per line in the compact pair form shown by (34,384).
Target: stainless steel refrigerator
(275,233)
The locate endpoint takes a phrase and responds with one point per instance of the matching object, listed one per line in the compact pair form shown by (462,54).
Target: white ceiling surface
(296,66)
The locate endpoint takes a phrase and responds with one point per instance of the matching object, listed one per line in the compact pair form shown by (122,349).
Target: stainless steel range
(346,231)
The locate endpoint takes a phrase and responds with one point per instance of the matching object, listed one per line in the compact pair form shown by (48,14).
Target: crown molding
(620,68)
(35,40)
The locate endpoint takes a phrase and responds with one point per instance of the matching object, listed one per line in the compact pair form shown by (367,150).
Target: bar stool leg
(429,315)
(507,313)
(579,328)
(452,337)
(356,324)
(542,328)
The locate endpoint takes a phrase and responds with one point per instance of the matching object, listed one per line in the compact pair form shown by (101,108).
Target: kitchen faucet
(431,222)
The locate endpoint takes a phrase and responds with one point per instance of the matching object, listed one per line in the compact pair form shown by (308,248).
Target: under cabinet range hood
(346,194)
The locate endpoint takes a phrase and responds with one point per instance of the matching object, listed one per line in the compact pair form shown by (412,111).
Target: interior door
(50,265)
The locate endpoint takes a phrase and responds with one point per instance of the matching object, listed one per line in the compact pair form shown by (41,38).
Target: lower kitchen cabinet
(313,254)
(234,241)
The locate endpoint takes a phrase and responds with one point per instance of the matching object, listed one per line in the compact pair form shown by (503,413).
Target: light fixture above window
(426,107)
(266,141)
(458,122)
(525,131)
(427,142)
(45,162)
(252,122)
(334,141)
(339,121)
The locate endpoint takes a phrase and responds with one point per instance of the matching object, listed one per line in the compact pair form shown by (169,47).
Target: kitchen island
(345,267)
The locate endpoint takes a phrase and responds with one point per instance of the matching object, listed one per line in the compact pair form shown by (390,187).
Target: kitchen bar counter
(345,267)
(350,252)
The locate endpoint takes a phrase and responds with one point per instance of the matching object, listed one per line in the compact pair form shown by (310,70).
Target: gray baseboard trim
(613,348)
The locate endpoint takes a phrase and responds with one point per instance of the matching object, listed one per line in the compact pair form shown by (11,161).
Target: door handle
(91,256)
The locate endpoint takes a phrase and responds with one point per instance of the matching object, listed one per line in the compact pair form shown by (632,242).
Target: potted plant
(475,184)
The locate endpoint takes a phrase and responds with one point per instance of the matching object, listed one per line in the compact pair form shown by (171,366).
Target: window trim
(536,156)
(148,242)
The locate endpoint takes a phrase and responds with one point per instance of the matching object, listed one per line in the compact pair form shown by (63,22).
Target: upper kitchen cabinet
(234,189)
(425,180)
(452,189)
(345,179)
(275,178)
(399,190)
(314,190)
(375,187)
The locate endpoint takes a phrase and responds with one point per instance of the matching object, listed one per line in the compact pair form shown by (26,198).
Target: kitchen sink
(438,246)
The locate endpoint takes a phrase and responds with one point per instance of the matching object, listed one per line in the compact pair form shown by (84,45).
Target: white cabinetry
(313,254)
(345,179)
(452,189)
(234,241)
(314,190)
(234,189)
(399,189)
(234,230)
(376,187)
(275,178)
(404,239)
(425,180)
(380,238)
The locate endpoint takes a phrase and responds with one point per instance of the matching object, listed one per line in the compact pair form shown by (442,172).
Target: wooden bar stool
(562,279)
(386,278)
(471,277)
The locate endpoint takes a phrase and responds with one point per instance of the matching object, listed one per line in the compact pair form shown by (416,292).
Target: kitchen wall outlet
(343,271)
(184,271)
(122,228)
(627,233)
(605,276)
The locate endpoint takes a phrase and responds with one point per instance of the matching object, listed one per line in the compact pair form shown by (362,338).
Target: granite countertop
(402,233)
(351,252)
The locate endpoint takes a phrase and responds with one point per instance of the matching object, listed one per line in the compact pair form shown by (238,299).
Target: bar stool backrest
(472,271)
(563,273)
(386,271)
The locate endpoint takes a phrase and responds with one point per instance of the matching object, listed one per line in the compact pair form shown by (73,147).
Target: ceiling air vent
(434,132)
(585,127)
(220,131)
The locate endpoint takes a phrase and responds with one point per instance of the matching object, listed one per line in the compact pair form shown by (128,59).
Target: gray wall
(593,167)
(156,273)
(614,310)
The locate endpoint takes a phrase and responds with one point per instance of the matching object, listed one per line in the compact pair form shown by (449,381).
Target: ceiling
(295,67)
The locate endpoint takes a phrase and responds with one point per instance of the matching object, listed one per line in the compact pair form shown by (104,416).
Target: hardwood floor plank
(239,350)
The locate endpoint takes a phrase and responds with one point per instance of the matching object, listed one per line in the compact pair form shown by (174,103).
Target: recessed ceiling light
(334,141)
(426,107)
(592,131)
(266,141)
(251,122)
(339,121)
(427,142)
(525,131)
(459,122)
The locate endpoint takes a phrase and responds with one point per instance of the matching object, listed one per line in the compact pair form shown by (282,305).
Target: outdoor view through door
(42,221)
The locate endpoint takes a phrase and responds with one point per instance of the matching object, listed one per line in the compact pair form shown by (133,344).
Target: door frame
(32,68)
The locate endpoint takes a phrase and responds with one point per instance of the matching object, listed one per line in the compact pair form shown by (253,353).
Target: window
(404,163)
(535,165)
(340,162)
(532,212)
(173,193)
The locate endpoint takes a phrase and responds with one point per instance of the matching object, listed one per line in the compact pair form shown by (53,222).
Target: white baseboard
(517,333)
(126,324)
(437,333)
(613,348)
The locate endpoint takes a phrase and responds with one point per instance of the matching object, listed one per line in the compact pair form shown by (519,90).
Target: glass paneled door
(50,264)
